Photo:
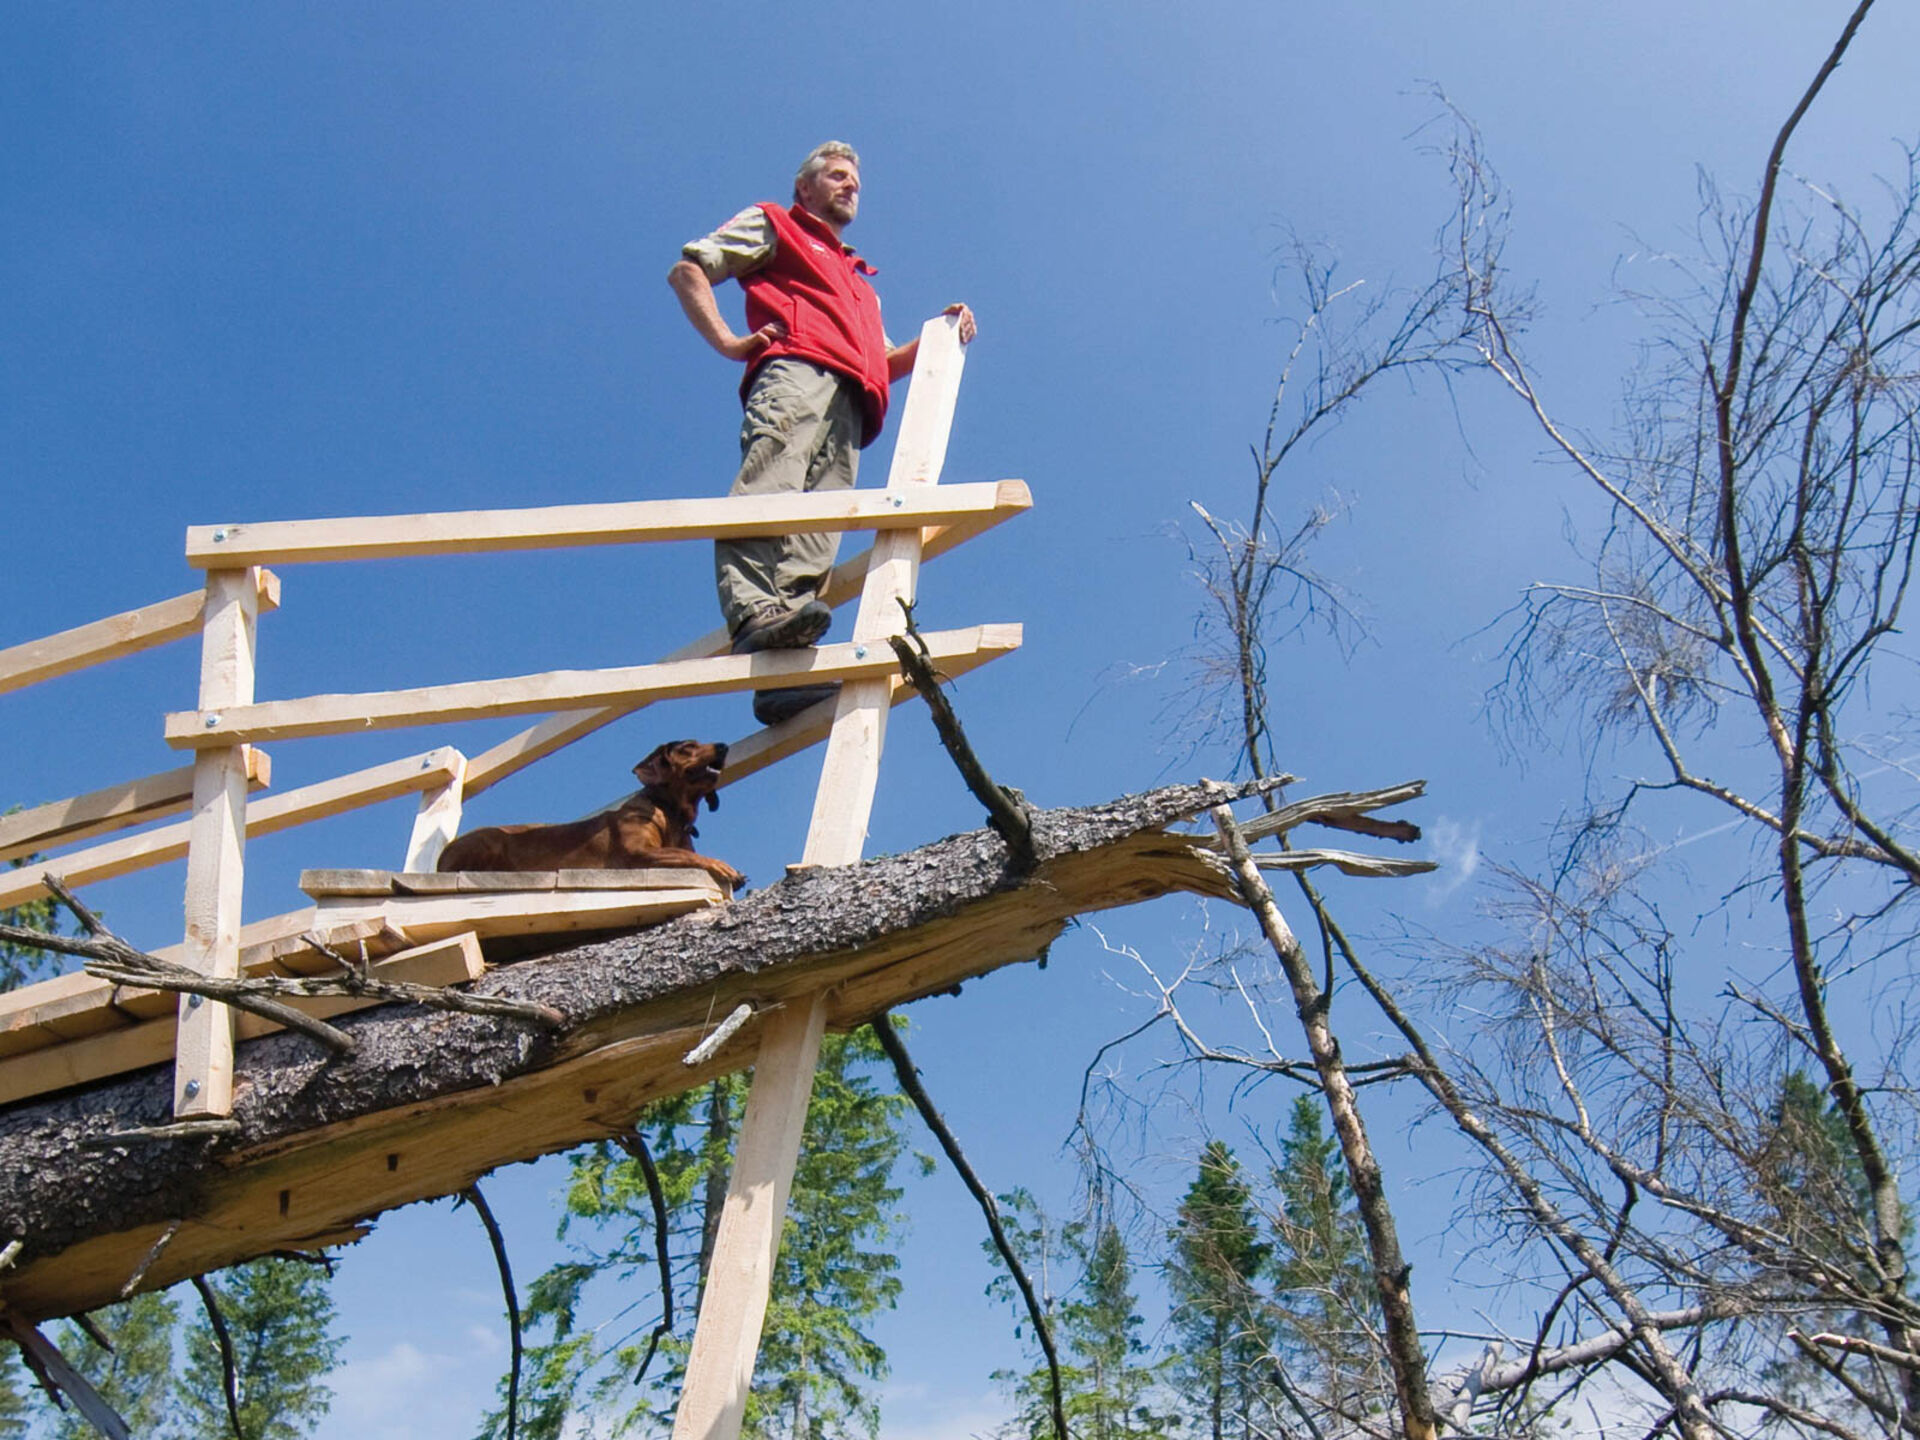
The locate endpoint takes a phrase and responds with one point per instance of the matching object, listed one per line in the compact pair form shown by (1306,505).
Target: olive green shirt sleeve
(739,247)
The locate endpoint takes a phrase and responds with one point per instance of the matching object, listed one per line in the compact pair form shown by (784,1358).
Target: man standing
(818,368)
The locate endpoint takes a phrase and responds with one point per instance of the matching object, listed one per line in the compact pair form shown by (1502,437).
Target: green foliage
(1112,1391)
(1219,1314)
(14,1389)
(20,965)
(136,1378)
(1325,1307)
(817,1361)
(280,1316)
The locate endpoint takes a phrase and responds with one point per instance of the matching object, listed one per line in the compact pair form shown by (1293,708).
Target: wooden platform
(427,929)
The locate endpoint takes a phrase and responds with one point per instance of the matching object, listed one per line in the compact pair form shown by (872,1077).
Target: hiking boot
(770,707)
(783,629)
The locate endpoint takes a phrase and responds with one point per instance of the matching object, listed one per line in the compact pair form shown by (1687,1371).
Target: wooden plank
(430,917)
(73,1006)
(264,817)
(511,756)
(843,802)
(216,850)
(629,522)
(115,807)
(346,882)
(726,1338)
(124,634)
(452,961)
(559,690)
(437,823)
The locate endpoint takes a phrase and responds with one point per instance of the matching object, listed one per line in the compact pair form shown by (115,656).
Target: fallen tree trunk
(430,1101)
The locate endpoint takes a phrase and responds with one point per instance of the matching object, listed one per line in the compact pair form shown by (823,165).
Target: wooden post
(727,1338)
(203,1057)
(851,769)
(713,1399)
(438,821)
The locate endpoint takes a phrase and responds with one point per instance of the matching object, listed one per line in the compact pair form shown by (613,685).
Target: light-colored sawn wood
(277,812)
(124,634)
(116,807)
(622,523)
(514,754)
(216,849)
(445,962)
(561,689)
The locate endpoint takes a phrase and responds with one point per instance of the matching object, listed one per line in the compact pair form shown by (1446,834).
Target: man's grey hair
(817,159)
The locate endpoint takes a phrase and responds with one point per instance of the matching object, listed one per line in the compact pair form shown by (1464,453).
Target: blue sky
(272,261)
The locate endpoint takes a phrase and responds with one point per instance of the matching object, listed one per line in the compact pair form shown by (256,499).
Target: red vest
(819,291)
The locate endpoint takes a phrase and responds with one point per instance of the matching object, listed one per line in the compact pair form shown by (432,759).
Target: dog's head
(686,771)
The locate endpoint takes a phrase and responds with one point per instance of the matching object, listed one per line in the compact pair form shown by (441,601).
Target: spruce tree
(1112,1390)
(1217,1258)
(279,1314)
(136,1376)
(1325,1308)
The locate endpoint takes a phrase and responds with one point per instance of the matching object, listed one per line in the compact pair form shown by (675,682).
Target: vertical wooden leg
(727,1338)
(203,1055)
(437,823)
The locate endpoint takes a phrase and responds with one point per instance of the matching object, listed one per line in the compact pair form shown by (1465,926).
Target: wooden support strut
(726,1340)
(203,1063)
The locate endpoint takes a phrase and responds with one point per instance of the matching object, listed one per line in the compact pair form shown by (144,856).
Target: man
(818,368)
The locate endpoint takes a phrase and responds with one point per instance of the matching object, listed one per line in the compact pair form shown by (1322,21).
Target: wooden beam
(452,961)
(559,690)
(117,635)
(216,850)
(116,807)
(511,756)
(278,812)
(529,912)
(460,532)
(437,823)
(843,802)
(733,1309)
(76,1005)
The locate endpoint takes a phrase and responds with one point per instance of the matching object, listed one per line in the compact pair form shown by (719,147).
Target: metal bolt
(194,1002)
(898,502)
(192,1088)
(210,719)
(859,652)
(219,535)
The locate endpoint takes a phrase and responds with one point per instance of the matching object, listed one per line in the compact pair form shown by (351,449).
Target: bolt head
(219,535)
(194,1002)
(192,1089)
(210,720)
(859,652)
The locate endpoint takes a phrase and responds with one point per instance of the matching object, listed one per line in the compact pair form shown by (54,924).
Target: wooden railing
(913,519)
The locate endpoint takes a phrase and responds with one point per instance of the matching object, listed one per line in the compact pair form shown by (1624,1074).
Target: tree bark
(430,1101)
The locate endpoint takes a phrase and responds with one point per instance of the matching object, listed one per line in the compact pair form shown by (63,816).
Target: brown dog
(652,828)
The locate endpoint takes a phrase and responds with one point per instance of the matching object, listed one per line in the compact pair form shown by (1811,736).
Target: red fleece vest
(819,291)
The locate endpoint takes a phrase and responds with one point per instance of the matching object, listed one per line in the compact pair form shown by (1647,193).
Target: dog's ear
(654,770)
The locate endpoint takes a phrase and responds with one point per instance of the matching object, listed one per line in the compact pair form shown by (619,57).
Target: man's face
(833,191)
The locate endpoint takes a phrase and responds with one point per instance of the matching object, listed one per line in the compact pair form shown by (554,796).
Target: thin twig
(910,1085)
(229,1367)
(474,1198)
(635,1144)
(146,1264)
